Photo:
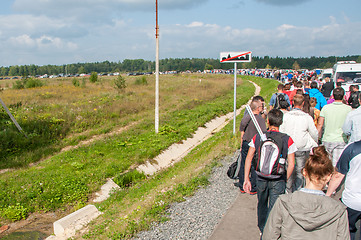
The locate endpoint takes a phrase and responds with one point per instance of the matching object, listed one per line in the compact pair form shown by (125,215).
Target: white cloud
(286,40)
(195,24)
(41,43)
(67,31)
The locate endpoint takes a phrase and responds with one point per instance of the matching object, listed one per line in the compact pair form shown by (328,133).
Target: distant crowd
(300,155)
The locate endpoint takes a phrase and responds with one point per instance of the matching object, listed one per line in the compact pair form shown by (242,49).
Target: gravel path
(197,217)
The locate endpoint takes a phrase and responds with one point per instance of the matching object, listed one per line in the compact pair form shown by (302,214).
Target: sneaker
(242,191)
(253,193)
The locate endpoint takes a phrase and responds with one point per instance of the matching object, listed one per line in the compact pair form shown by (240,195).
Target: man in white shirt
(301,128)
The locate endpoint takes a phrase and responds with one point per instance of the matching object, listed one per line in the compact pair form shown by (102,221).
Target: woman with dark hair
(306,105)
(308,213)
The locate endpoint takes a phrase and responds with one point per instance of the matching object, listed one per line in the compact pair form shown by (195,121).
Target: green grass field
(60,114)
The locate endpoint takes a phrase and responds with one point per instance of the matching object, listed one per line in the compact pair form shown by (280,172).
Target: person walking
(314,92)
(268,189)
(305,136)
(308,213)
(349,166)
(327,88)
(332,118)
(352,124)
(279,99)
(354,96)
(248,130)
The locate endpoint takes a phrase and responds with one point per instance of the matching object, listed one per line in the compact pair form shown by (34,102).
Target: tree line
(175,64)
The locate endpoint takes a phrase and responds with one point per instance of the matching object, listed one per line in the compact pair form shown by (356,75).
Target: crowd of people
(298,155)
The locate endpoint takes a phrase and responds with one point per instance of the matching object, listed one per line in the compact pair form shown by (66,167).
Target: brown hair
(319,165)
(313,101)
(298,100)
(306,105)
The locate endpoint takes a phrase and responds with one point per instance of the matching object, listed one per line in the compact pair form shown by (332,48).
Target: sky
(58,32)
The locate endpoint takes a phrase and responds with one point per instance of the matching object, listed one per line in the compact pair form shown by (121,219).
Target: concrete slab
(67,226)
(105,191)
(240,221)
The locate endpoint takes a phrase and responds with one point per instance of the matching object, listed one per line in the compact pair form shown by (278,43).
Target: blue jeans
(353,217)
(267,194)
(297,180)
(253,177)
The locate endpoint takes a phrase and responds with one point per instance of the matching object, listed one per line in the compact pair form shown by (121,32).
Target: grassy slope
(68,179)
(134,208)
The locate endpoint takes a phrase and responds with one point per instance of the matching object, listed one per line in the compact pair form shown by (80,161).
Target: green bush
(28,83)
(93,77)
(141,81)
(119,83)
(75,82)
(32,83)
(83,83)
(18,85)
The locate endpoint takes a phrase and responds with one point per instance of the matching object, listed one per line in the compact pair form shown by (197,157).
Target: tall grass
(55,114)
(68,179)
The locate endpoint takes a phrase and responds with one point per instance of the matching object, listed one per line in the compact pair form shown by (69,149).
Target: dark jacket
(327,89)
(353,99)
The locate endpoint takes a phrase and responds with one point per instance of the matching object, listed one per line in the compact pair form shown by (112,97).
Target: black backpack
(271,155)
(234,168)
(281,101)
(353,99)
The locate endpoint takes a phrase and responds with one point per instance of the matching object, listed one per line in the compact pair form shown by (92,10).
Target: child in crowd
(315,112)
(308,213)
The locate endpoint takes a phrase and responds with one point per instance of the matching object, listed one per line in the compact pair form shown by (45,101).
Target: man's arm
(347,126)
(247,168)
(242,133)
(320,123)
(335,181)
(312,129)
(272,101)
(291,164)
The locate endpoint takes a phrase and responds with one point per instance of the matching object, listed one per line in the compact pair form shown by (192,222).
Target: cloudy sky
(59,32)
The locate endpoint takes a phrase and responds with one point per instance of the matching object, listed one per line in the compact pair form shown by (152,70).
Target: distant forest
(179,65)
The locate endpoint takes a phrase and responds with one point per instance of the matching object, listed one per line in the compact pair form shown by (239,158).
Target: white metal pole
(157,72)
(235,98)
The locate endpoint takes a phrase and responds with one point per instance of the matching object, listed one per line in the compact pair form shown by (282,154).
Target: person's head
(338,84)
(280,87)
(318,167)
(356,88)
(338,93)
(275,117)
(256,106)
(313,101)
(351,88)
(299,91)
(258,98)
(298,100)
(287,87)
(299,84)
(327,79)
(314,85)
